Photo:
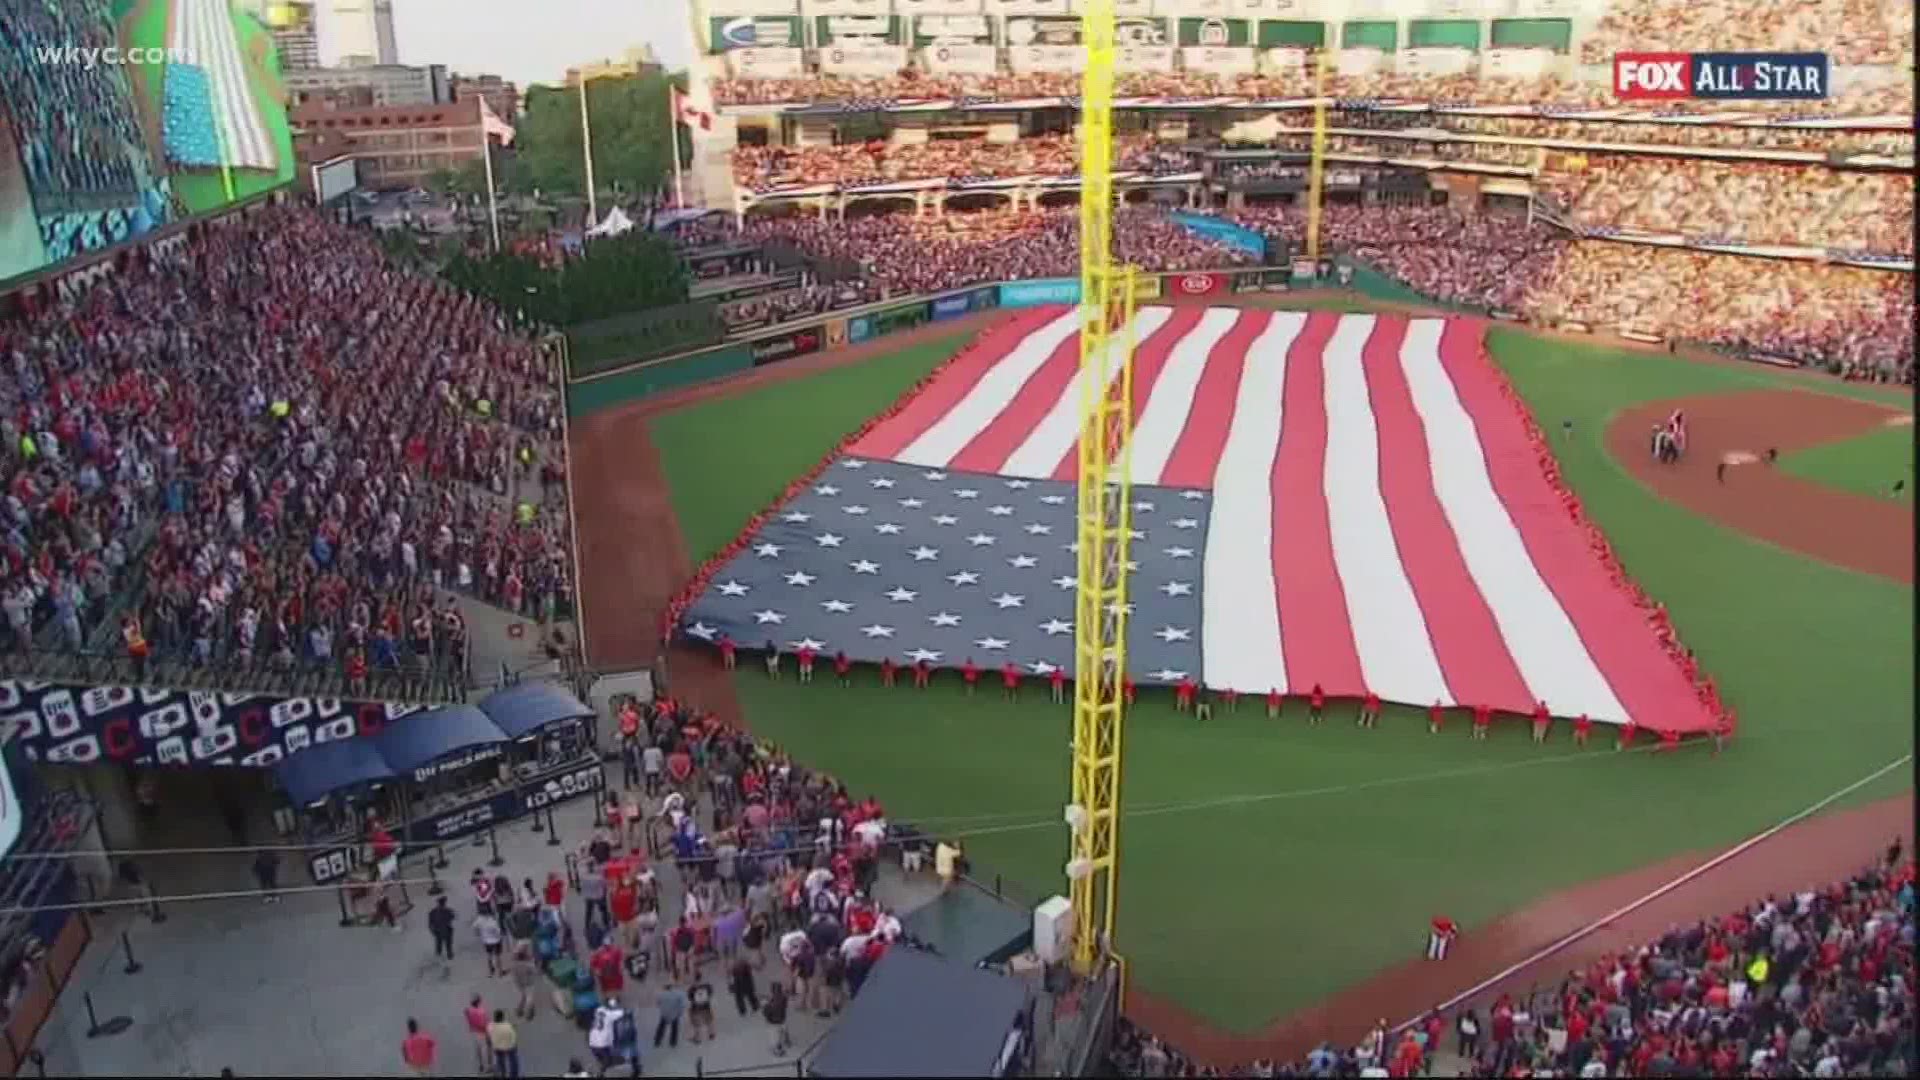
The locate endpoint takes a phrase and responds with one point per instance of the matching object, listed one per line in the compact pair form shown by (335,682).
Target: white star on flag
(1136,534)
(807,643)
(855,509)
(1065,581)
(1022,562)
(1180,553)
(912,503)
(827,489)
(979,539)
(800,577)
(931,656)
(1019,485)
(1000,511)
(828,540)
(886,528)
(934,475)
(838,607)
(966,493)
(1055,627)
(901,594)
(1132,566)
(945,519)
(990,644)
(1185,523)
(877,631)
(732,588)
(881,481)
(1041,667)
(853,463)
(1176,588)
(1171,634)
(797,517)
(1071,549)
(964,577)
(1053,500)
(1038,528)
(1143,506)
(768,616)
(944,618)
(1168,675)
(767,551)
(864,566)
(923,553)
(1191,494)
(1008,600)
(701,630)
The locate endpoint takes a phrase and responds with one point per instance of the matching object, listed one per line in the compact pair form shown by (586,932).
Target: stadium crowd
(797,303)
(75,123)
(1820,983)
(270,447)
(1877,32)
(1742,202)
(908,255)
(867,164)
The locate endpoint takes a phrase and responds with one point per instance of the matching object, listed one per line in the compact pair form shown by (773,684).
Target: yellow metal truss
(1316,167)
(1105,509)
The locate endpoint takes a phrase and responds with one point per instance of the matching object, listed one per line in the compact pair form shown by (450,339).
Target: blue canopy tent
(920,1015)
(524,709)
(422,738)
(319,771)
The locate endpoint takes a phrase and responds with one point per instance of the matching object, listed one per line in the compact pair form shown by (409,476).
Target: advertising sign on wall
(859,329)
(841,29)
(984,299)
(950,307)
(863,58)
(1121,8)
(1041,58)
(743,32)
(937,7)
(1218,61)
(953,30)
(836,333)
(1023,32)
(77,725)
(1154,59)
(961,59)
(1041,291)
(766,63)
(901,318)
(1198,284)
(786,346)
(1225,232)
(1146,287)
(1027,7)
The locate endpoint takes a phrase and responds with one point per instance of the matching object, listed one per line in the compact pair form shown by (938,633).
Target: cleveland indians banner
(77,725)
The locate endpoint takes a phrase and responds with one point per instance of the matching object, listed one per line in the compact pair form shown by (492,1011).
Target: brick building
(397,146)
(502,97)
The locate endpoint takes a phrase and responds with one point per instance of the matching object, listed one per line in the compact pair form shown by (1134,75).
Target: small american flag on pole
(686,112)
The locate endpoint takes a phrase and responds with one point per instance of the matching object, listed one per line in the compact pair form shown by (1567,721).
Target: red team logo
(1198,284)
(1652,76)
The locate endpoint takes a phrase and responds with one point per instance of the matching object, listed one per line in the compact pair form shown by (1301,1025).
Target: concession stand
(551,755)
(450,762)
(336,790)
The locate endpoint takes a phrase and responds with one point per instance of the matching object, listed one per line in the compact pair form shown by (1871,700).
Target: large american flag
(1348,501)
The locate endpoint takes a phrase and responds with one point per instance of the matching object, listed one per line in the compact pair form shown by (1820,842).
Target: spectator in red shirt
(843,669)
(1440,937)
(1316,704)
(922,674)
(1057,684)
(1541,718)
(1010,681)
(1232,698)
(609,966)
(1370,710)
(680,769)
(1127,689)
(1482,720)
(970,675)
(1627,731)
(1669,740)
(1582,727)
(1273,703)
(727,658)
(418,1049)
(805,655)
(1183,694)
(1435,717)
(886,671)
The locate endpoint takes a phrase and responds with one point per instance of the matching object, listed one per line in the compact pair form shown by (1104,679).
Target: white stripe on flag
(993,393)
(1540,637)
(1171,401)
(1240,613)
(203,31)
(1389,632)
(1050,440)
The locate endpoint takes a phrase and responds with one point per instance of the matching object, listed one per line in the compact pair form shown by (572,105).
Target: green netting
(1555,34)
(1282,33)
(1443,34)
(1367,33)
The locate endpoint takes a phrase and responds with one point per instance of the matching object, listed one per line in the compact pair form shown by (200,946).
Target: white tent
(615,223)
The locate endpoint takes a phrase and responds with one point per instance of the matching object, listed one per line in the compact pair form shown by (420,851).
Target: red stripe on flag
(1196,453)
(1466,639)
(1149,359)
(989,450)
(1611,627)
(1316,634)
(924,409)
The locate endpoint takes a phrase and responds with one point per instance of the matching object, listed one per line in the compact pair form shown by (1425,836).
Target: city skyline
(492,39)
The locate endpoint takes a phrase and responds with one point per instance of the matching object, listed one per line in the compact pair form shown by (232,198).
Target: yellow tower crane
(1105,509)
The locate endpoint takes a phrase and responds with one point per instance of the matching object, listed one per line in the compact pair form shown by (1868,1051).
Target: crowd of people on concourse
(269,447)
(1745,202)
(797,303)
(869,164)
(75,123)
(1819,983)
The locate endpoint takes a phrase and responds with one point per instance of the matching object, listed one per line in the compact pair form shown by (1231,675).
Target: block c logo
(1644,76)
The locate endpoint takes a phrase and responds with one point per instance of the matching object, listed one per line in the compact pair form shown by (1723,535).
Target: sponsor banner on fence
(1026,7)
(1303,268)
(952,30)
(1217,61)
(950,307)
(786,346)
(859,329)
(1144,59)
(1028,59)
(1225,232)
(937,7)
(900,318)
(863,58)
(984,299)
(1146,287)
(836,333)
(1276,280)
(766,63)
(961,59)
(1197,284)
(78,725)
(746,32)
(1248,282)
(1043,291)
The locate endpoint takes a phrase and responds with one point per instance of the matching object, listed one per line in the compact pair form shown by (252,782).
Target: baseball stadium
(1336,537)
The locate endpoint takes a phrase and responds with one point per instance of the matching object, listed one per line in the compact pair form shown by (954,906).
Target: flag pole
(493,206)
(586,148)
(673,136)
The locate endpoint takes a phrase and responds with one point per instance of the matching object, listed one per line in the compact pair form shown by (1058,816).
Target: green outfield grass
(1868,464)
(1325,851)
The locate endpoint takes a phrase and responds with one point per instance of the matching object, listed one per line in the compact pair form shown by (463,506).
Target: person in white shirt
(872,832)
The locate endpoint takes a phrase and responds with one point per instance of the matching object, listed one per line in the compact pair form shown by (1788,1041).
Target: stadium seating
(276,449)
(1819,983)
